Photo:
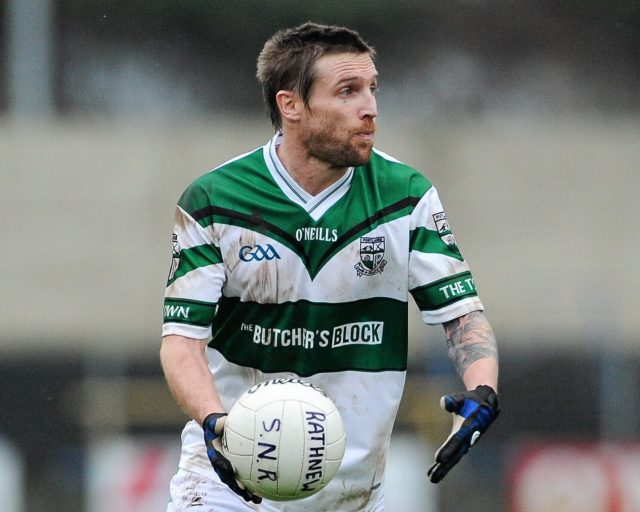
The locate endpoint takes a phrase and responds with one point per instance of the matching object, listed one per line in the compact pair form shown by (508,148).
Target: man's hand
(473,412)
(213,425)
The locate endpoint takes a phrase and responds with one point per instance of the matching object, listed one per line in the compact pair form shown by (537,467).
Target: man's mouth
(366,135)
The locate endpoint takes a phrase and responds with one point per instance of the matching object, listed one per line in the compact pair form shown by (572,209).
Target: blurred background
(525,115)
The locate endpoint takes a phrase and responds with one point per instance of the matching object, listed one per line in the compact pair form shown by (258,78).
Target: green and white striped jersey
(285,283)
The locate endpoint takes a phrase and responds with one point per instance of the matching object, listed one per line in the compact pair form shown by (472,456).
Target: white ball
(284,438)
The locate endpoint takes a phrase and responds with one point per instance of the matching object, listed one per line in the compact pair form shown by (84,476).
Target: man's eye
(346,91)
(374,89)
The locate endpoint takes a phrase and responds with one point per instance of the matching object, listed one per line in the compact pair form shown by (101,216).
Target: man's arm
(188,376)
(187,372)
(473,350)
(474,354)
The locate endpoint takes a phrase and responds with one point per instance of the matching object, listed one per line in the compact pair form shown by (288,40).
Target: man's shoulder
(225,178)
(392,171)
(251,160)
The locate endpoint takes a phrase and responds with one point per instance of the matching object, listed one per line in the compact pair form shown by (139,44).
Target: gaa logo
(258,253)
(371,256)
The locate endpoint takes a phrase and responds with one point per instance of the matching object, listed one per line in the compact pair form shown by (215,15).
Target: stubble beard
(339,150)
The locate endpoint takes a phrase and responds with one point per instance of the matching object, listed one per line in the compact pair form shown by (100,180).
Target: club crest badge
(372,260)
(175,256)
(442,225)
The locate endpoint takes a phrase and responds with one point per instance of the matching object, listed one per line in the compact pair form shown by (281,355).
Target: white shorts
(190,491)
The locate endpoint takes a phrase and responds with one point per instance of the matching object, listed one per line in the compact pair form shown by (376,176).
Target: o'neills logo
(288,380)
(372,259)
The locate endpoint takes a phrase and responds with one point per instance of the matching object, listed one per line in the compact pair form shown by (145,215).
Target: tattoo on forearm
(470,338)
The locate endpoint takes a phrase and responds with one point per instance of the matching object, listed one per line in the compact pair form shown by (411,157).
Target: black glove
(473,413)
(213,425)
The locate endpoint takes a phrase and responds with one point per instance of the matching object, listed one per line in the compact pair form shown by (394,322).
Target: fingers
(453,449)
(440,469)
(217,444)
(241,490)
(473,412)
(465,402)
(219,426)
(213,426)
(437,472)
(214,423)
(458,421)
(225,471)
(452,403)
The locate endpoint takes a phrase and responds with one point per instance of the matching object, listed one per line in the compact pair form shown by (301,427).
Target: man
(297,259)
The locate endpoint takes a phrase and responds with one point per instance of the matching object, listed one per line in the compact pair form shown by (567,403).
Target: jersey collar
(315,206)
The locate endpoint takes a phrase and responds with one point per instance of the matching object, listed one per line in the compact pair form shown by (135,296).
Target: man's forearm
(473,349)
(188,376)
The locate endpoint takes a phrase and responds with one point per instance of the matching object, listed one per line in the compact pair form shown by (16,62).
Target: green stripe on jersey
(312,258)
(309,338)
(243,193)
(429,241)
(187,311)
(196,257)
(444,292)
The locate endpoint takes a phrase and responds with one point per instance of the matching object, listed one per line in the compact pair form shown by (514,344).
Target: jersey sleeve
(440,280)
(196,275)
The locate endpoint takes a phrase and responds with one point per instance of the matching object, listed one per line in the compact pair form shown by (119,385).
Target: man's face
(338,125)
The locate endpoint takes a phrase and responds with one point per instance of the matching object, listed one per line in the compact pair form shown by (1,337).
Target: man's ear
(290,105)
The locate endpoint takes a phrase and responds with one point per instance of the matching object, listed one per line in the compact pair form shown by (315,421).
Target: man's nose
(370,107)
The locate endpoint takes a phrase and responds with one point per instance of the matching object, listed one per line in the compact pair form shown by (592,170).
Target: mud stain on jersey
(256,268)
(257,280)
(197,501)
(263,285)
(379,454)
(231,256)
(193,497)
(344,285)
(350,500)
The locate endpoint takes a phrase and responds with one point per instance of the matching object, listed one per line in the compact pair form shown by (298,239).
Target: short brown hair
(287,60)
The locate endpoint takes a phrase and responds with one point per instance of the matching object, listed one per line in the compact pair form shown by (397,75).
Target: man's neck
(311,174)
